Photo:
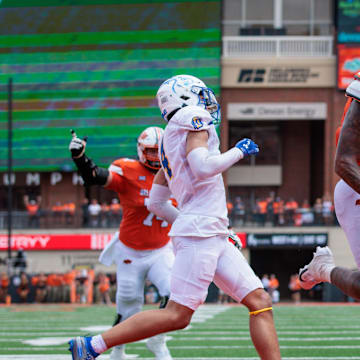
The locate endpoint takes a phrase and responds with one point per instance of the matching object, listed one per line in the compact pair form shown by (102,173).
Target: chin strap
(256,312)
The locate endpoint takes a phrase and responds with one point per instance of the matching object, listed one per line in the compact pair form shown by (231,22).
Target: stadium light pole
(9,170)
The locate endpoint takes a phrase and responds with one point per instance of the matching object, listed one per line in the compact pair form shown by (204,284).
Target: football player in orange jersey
(347,203)
(141,248)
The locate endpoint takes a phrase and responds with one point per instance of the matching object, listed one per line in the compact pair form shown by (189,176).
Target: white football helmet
(184,90)
(148,147)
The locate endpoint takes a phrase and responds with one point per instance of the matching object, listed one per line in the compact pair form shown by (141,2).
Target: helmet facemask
(208,100)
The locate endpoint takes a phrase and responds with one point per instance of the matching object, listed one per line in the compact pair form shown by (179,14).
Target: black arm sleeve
(90,172)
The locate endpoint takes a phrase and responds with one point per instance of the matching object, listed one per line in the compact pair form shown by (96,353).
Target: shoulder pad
(193,118)
(120,165)
(353,90)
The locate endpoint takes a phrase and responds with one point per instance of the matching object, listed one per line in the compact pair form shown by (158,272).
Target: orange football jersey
(338,130)
(347,105)
(139,229)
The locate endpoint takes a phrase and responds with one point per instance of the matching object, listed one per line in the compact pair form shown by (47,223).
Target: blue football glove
(248,147)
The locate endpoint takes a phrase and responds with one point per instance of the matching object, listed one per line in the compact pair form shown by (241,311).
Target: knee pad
(128,292)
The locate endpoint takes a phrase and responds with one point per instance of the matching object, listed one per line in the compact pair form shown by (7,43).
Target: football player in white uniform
(191,170)
(347,203)
(141,248)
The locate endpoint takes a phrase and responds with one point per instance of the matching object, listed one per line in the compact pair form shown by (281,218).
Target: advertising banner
(286,240)
(56,241)
(348,64)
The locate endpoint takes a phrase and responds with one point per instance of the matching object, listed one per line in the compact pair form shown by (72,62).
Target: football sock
(98,344)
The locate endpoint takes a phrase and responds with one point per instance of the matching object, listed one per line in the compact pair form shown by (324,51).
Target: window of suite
(277,17)
(267,136)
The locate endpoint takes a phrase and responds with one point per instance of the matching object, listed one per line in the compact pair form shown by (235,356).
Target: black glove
(77,146)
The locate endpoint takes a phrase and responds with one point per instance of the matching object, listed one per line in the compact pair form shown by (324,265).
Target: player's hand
(247,146)
(77,146)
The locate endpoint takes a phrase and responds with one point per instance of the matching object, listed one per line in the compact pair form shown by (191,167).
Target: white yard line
(198,347)
(107,357)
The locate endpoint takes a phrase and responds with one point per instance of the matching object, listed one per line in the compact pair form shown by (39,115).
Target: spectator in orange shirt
(68,282)
(294,286)
(104,288)
(40,284)
(261,211)
(115,212)
(55,287)
(230,207)
(290,207)
(273,286)
(4,286)
(69,212)
(57,213)
(33,210)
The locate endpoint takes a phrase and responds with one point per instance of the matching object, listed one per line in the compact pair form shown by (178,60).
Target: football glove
(77,146)
(248,147)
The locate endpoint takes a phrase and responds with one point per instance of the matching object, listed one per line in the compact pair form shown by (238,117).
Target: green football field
(32,332)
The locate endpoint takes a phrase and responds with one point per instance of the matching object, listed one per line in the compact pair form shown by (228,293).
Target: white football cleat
(157,345)
(318,270)
(118,353)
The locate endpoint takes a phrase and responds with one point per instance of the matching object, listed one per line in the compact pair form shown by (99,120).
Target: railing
(51,220)
(277,46)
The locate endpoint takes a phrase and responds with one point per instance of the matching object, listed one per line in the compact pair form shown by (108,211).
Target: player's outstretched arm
(89,171)
(348,150)
(203,165)
(159,203)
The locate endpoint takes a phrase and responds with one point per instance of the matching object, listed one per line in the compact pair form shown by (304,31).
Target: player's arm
(159,203)
(89,171)
(348,150)
(204,165)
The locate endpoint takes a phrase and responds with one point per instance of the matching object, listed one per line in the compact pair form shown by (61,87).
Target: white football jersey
(202,203)
(353,90)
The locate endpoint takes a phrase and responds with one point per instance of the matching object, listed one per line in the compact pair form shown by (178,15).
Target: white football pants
(198,261)
(133,267)
(348,215)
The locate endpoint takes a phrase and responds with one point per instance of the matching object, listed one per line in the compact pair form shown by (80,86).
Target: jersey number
(148,221)
(165,162)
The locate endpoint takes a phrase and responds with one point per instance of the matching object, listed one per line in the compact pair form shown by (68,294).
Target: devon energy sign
(277,111)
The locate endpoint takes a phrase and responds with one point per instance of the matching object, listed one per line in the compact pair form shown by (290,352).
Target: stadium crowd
(261,212)
(275,211)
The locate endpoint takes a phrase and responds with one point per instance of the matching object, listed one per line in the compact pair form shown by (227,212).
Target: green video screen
(95,66)
(348,21)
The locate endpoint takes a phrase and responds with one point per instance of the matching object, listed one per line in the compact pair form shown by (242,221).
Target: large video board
(348,21)
(95,66)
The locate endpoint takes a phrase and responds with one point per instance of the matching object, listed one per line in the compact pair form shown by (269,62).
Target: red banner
(56,242)
(65,241)
(348,64)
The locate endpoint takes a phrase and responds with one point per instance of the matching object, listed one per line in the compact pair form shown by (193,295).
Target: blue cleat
(81,348)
